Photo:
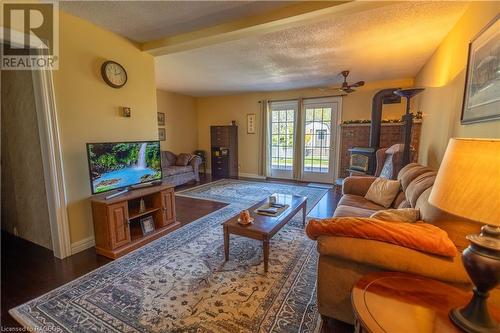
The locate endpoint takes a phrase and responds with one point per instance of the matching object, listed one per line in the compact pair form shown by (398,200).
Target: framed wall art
(161,118)
(251,123)
(482,82)
(162,135)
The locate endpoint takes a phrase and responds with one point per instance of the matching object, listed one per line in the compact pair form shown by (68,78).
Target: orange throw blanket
(419,236)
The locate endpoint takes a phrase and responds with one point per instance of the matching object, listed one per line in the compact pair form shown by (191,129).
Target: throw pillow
(383,191)
(182,159)
(397,215)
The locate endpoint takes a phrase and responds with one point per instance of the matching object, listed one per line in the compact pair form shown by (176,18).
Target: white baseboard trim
(243,174)
(82,245)
(250,175)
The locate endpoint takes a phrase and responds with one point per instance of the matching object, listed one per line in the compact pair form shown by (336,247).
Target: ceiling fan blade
(329,89)
(349,90)
(358,84)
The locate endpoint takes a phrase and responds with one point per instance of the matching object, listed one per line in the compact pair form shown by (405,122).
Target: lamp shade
(468,180)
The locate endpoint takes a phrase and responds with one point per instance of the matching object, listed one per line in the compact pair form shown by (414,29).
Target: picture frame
(162,135)
(126,112)
(481,100)
(251,123)
(161,118)
(147,225)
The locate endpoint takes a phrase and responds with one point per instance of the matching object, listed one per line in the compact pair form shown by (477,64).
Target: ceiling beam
(284,18)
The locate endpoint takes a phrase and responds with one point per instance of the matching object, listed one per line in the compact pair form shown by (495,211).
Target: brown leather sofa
(344,260)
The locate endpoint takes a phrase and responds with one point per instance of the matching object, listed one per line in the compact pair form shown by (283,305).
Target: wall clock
(113,74)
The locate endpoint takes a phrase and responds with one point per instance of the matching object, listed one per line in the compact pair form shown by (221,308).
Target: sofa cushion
(392,257)
(358,202)
(456,227)
(176,170)
(383,191)
(397,215)
(404,204)
(357,185)
(342,211)
(419,185)
(399,199)
(410,172)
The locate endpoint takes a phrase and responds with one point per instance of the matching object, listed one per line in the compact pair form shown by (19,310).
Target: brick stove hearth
(358,135)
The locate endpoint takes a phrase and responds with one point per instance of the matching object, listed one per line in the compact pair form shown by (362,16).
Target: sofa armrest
(195,163)
(390,257)
(357,185)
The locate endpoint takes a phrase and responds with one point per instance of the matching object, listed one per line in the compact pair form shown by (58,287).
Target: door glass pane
(317,134)
(282,137)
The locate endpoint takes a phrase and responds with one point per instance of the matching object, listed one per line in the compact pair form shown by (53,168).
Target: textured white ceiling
(392,42)
(143,21)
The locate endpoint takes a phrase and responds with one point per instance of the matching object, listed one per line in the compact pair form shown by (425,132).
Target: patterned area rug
(180,282)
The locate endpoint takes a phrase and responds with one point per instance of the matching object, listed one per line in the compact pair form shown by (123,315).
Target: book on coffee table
(271,210)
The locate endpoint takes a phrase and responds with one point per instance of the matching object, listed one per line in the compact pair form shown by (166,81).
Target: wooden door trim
(52,161)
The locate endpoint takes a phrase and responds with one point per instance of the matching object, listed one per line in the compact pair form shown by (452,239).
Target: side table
(393,302)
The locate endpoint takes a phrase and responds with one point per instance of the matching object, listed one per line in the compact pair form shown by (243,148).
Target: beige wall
(220,110)
(24,200)
(88,109)
(181,121)
(443,76)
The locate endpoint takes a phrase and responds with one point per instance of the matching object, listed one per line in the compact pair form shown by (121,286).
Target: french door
(304,139)
(282,138)
(319,128)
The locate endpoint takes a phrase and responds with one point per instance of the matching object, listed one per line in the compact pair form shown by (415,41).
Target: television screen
(121,164)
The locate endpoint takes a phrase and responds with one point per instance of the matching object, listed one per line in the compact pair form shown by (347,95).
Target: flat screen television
(117,165)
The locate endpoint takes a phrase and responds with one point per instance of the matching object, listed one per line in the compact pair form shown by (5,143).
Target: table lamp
(468,185)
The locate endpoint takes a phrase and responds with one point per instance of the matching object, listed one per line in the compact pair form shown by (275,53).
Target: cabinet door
(118,224)
(168,206)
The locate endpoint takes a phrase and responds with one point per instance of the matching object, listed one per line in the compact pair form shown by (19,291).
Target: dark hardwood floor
(29,270)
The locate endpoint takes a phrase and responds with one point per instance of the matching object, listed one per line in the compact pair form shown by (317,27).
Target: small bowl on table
(245,218)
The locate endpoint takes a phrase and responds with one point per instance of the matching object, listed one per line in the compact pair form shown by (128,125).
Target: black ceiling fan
(346,87)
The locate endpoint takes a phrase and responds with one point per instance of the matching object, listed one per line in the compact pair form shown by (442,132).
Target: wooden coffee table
(391,302)
(265,227)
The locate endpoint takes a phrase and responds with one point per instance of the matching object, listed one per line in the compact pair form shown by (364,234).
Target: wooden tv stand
(117,225)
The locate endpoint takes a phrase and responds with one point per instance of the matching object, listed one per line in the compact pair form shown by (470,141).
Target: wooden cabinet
(224,151)
(117,221)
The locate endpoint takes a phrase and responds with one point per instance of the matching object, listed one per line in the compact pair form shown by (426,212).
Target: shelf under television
(135,213)
(137,239)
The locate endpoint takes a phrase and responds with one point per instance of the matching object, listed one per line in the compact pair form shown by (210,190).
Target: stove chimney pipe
(385,96)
